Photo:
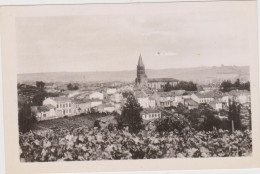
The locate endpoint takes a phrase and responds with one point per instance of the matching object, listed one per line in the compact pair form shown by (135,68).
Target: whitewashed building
(96,95)
(151,114)
(63,105)
(46,112)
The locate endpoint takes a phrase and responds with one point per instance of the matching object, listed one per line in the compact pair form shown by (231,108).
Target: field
(84,120)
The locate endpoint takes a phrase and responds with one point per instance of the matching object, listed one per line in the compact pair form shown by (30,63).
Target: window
(66,104)
(63,105)
(57,106)
(44,115)
(69,104)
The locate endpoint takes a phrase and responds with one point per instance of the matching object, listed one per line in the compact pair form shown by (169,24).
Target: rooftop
(61,99)
(163,80)
(191,102)
(149,110)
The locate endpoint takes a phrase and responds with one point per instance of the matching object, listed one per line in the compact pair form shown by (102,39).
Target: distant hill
(199,75)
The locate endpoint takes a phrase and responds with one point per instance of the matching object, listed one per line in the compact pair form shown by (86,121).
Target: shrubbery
(102,144)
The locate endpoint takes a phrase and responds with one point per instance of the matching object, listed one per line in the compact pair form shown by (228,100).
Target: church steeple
(140,62)
(141,79)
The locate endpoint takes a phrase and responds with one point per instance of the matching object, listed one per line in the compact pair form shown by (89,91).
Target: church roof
(140,62)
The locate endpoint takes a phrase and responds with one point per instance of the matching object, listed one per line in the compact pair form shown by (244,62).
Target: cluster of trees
(40,84)
(227,86)
(202,118)
(26,118)
(71,86)
(182,85)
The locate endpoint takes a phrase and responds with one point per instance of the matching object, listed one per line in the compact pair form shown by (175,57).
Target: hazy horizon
(110,37)
(147,69)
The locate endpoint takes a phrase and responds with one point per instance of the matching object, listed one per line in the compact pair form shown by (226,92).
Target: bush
(87,144)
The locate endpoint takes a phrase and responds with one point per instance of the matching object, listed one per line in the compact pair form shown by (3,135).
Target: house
(49,85)
(94,102)
(144,100)
(45,112)
(81,106)
(210,87)
(152,102)
(217,105)
(151,114)
(190,104)
(116,98)
(165,99)
(96,95)
(202,97)
(105,108)
(111,91)
(241,96)
(159,83)
(63,105)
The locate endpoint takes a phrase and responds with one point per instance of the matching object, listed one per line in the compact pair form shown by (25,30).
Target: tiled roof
(42,108)
(50,106)
(163,80)
(211,94)
(166,94)
(148,111)
(61,99)
(191,102)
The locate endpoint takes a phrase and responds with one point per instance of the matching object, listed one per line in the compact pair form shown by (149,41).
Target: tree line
(227,86)
(182,85)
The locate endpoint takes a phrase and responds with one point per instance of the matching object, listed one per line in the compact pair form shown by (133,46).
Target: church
(154,83)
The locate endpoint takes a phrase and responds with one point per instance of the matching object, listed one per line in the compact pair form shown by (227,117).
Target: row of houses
(111,99)
(215,99)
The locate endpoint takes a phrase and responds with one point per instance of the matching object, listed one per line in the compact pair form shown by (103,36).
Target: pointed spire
(140,62)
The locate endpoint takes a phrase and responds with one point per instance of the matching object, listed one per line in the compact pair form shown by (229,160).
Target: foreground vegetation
(104,144)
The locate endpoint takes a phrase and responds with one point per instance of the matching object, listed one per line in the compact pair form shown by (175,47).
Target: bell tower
(141,79)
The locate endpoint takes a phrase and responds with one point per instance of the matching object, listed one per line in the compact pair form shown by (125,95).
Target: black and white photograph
(135,81)
(134,86)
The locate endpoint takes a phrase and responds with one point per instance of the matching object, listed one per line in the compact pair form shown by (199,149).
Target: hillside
(198,75)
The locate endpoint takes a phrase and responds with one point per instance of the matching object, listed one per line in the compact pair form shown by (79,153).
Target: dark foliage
(227,86)
(182,85)
(40,84)
(131,115)
(26,118)
(234,115)
(97,124)
(71,86)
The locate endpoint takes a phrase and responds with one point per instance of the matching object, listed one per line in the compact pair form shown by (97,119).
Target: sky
(107,37)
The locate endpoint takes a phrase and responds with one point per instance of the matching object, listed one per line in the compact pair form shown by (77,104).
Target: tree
(131,114)
(40,84)
(26,118)
(168,87)
(181,109)
(225,86)
(237,83)
(234,115)
(97,124)
(72,86)
(182,85)
(38,98)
